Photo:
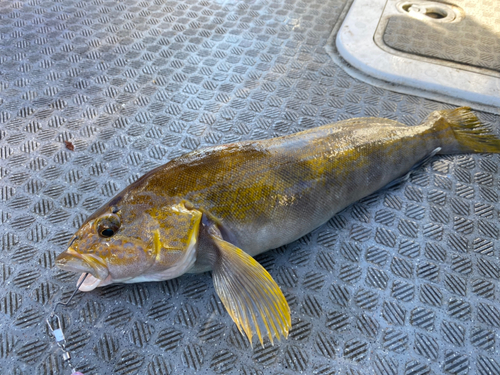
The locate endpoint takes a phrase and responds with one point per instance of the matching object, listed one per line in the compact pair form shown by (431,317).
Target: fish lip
(87,282)
(70,260)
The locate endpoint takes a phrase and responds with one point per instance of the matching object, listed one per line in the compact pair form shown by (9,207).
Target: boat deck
(95,93)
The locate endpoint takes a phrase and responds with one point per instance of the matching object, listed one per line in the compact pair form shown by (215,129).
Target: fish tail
(469,134)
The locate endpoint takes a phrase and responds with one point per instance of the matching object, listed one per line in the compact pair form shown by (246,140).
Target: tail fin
(470,133)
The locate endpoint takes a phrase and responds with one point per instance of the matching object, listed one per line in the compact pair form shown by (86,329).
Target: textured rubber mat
(474,41)
(95,93)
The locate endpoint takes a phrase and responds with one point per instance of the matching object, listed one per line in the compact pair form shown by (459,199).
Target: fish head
(133,242)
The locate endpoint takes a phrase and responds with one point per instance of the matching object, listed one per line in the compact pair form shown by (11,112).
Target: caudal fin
(471,135)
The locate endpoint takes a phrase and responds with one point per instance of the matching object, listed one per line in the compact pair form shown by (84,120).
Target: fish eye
(108,225)
(107,232)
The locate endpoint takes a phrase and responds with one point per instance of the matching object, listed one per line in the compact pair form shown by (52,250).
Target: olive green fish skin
(268,193)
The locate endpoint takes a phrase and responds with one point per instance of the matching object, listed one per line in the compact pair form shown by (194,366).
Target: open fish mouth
(98,274)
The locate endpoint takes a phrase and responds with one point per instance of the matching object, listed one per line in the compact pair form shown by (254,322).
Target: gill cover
(174,232)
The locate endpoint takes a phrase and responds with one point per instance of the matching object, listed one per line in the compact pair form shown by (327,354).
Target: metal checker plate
(404,282)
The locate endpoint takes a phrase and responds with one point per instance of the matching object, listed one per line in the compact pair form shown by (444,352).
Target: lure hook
(72,295)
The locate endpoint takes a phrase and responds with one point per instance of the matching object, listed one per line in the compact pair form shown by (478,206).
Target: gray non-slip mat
(403,282)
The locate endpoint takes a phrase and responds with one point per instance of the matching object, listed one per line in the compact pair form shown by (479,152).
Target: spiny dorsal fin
(250,295)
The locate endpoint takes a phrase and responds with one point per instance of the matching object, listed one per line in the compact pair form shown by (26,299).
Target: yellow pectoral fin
(250,295)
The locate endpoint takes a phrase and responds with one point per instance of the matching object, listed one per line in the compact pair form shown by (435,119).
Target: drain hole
(431,11)
(437,14)
(406,7)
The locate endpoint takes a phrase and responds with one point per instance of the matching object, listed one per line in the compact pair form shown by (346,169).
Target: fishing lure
(55,329)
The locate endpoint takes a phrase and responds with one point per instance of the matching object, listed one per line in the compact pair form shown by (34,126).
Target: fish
(216,208)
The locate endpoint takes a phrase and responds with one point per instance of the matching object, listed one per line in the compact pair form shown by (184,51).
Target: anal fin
(418,165)
(248,292)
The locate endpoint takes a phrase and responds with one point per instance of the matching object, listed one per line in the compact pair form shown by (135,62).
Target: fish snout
(70,260)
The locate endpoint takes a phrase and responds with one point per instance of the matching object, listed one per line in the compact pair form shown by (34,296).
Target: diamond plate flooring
(95,93)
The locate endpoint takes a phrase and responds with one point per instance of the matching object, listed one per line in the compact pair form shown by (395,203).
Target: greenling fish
(217,207)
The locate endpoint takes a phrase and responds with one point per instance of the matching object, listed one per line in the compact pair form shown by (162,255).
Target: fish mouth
(90,282)
(98,274)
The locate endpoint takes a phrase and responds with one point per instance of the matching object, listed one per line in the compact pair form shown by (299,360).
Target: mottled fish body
(215,208)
